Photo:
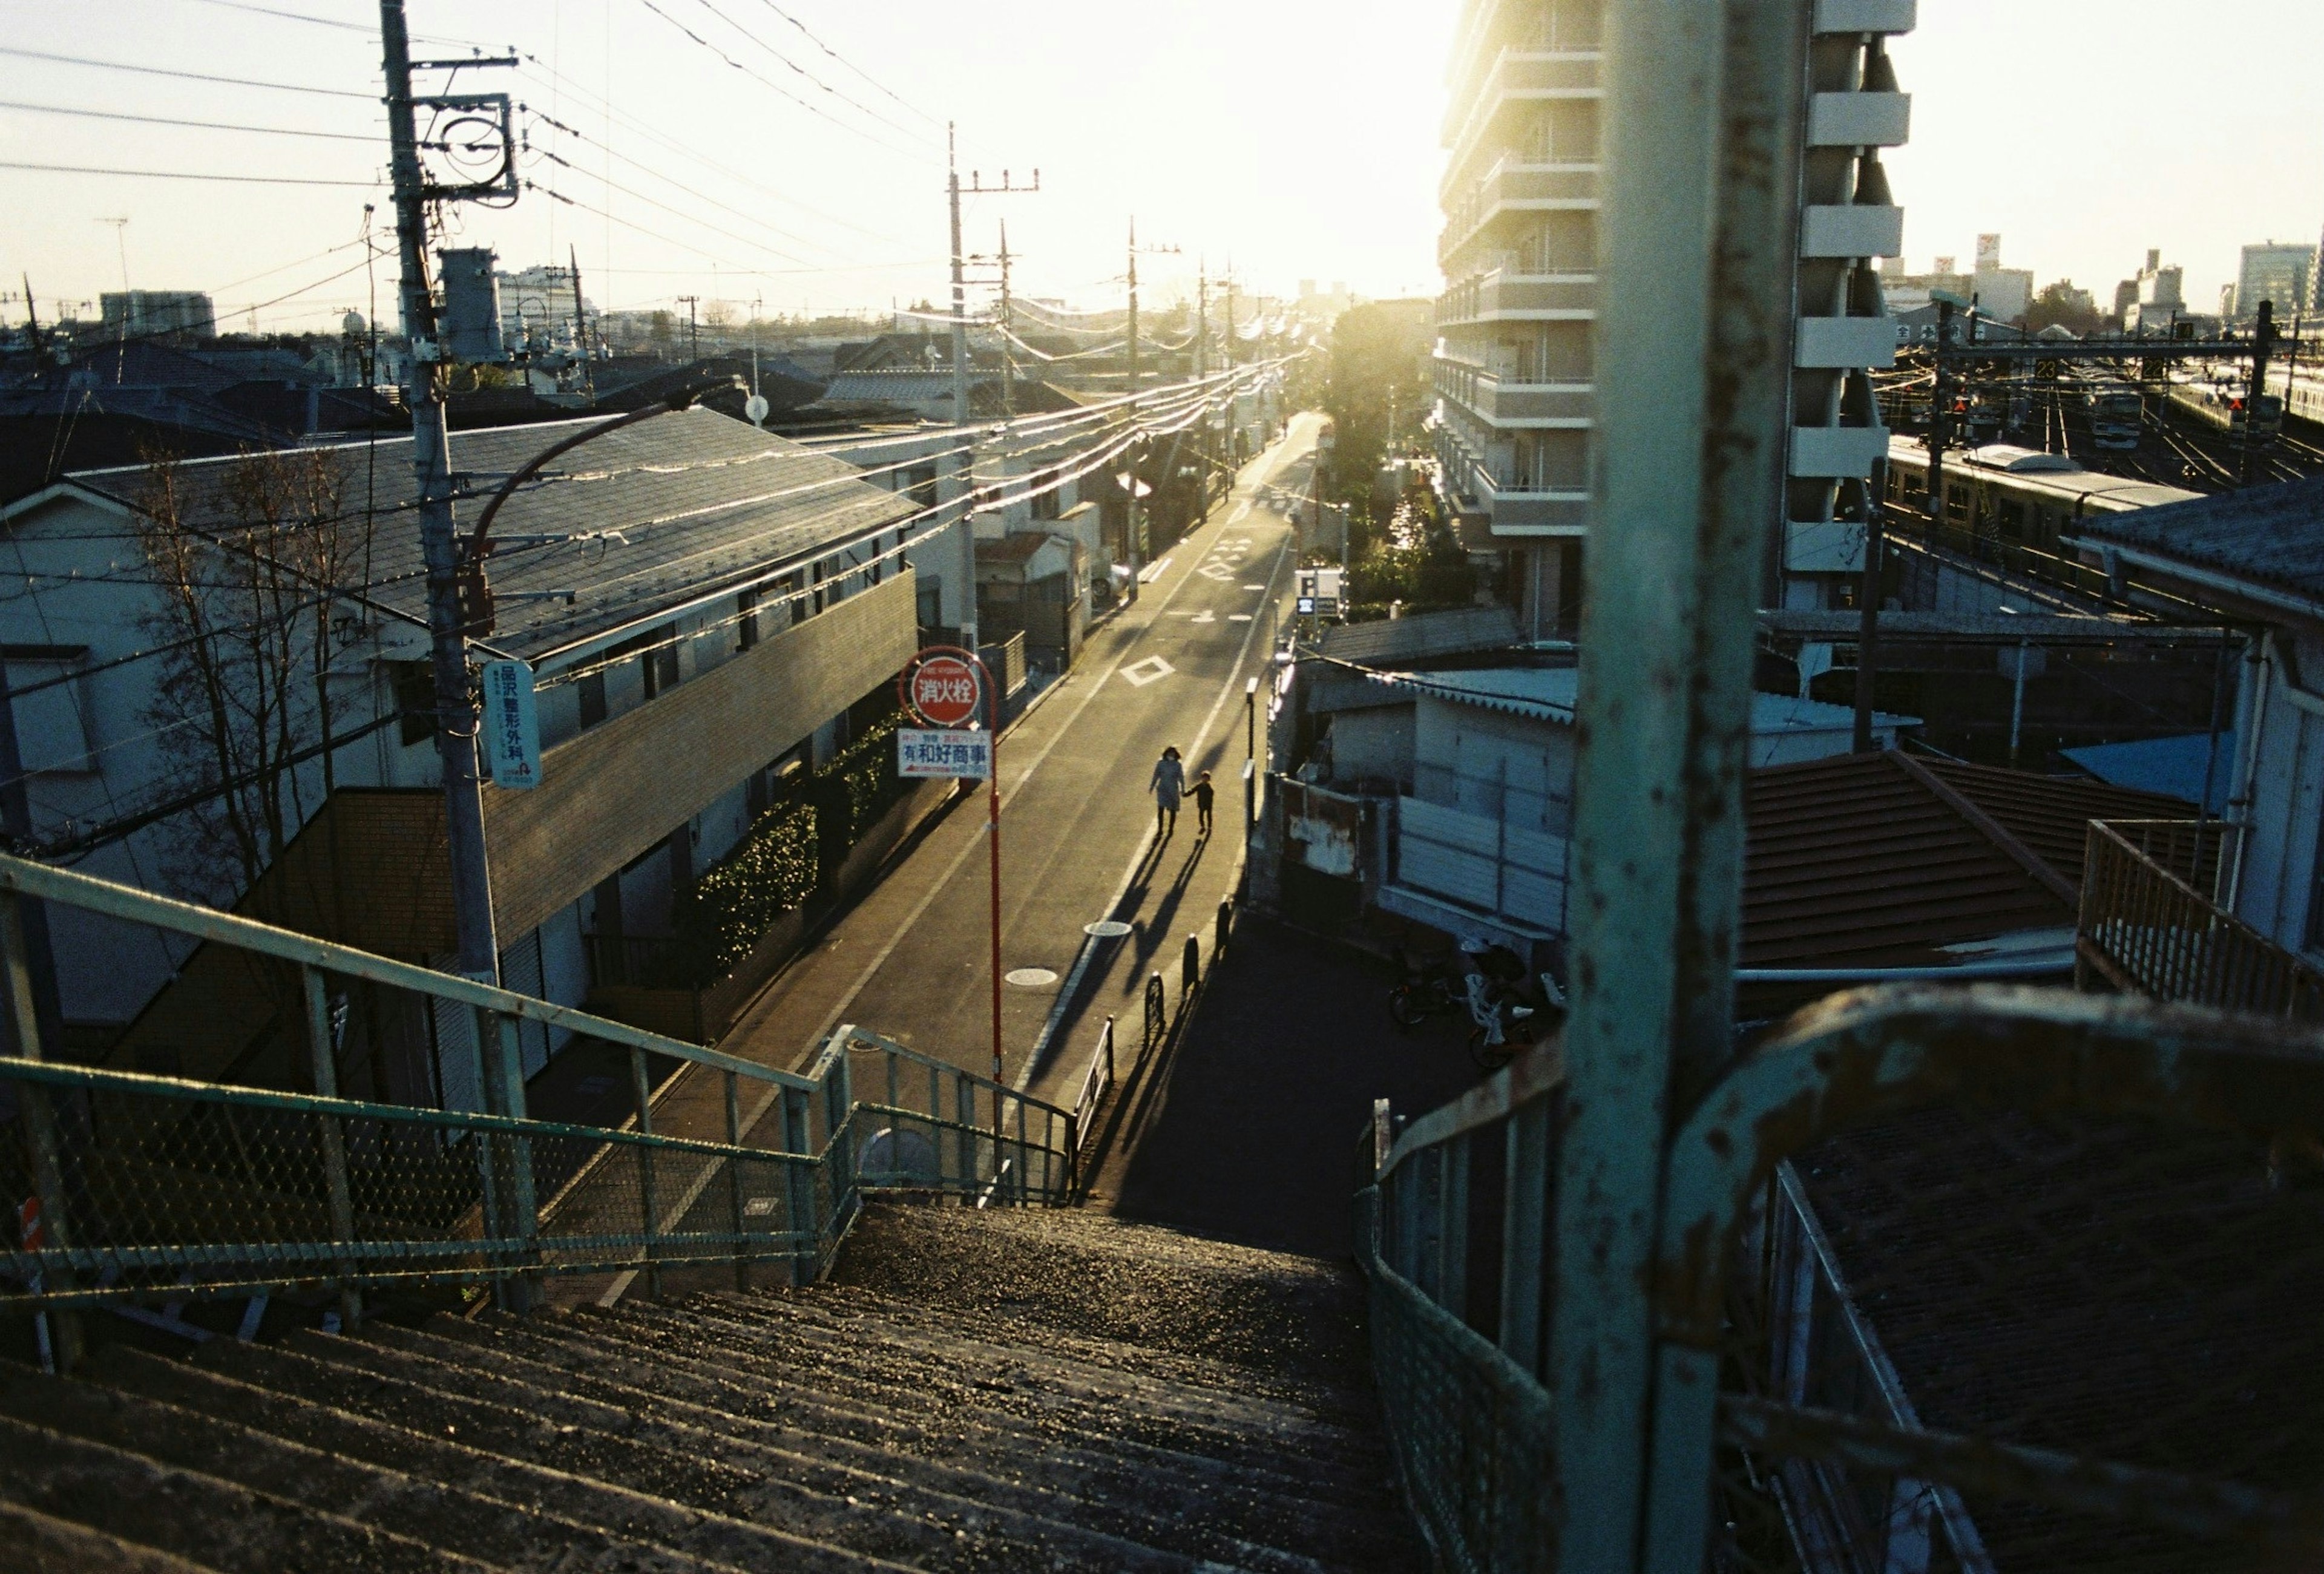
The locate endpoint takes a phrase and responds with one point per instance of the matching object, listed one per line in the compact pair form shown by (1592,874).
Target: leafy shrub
(771,871)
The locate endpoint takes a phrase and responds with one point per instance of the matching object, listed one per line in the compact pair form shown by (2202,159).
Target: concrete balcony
(1516,75)
(1836,453)
(1881,16)
(1851,230)
(1833,343)
(1859,119)
(1520,512)
(1501,296)
(1514,404)
(1512,186)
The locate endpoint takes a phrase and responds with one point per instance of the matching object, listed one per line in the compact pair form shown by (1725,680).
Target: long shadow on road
(1242,1123)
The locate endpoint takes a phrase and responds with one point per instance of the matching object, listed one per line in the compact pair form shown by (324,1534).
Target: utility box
(471,327)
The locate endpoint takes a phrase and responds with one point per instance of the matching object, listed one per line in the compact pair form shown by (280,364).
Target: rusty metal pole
(1701,238)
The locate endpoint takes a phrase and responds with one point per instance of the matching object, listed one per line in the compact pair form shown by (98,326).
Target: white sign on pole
(511,726)
(944,752)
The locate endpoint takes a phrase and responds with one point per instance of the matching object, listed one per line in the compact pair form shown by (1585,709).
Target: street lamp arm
(478,545)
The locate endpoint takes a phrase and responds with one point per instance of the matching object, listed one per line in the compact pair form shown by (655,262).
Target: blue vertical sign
(511,728)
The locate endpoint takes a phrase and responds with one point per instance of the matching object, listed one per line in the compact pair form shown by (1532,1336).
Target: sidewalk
(1242,1124)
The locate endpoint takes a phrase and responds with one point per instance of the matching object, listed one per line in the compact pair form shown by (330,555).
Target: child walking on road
(1203,795)
(1168,786)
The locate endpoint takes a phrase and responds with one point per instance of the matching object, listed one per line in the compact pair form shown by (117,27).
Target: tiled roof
(2268,535)
(698,499)
(1854,862)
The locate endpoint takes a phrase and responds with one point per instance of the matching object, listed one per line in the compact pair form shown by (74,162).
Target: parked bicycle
(1431,987)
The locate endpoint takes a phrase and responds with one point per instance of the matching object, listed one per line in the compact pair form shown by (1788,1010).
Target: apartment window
(929,594)
(660,660)
(1047,500)
(919,483)
(746,626)
(415,700)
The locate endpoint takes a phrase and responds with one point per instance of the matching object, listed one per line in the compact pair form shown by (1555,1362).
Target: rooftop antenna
(121,245)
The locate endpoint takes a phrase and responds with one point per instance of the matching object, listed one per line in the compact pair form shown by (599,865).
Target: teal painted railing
(133,1188)
(1947,1278)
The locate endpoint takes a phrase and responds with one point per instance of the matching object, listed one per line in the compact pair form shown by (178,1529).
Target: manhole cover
(1107,929)
(1032,978)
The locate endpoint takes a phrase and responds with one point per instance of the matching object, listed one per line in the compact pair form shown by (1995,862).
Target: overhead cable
(187,76)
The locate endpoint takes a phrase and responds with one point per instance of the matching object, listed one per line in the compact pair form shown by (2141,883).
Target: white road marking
(1238,617)
(1147,671)
(1152,572)
(1254,587)
(1205,616)
(1241,513)
(1221,572)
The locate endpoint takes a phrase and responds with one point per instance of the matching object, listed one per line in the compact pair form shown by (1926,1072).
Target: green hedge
(786,853)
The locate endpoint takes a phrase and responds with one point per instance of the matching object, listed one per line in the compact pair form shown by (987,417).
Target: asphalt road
(912,961)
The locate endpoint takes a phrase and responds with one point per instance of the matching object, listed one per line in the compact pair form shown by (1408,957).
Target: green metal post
(38,1113)
(332,1139)
(519,1205)
(1699,247)
(799,1187)
(734,1181)
(648,1208)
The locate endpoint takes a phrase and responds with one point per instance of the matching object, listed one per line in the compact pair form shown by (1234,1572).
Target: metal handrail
(26,879)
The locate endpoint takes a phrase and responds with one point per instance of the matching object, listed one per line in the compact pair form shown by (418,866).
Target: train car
(2303,395)
(2222,409)
(2115,412)
(2019,495)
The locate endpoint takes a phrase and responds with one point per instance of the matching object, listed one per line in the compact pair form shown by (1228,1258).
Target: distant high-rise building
(2158,303)
(1943,265)
(2001,293)
(1849,223)
(2276,271)
(1515,381)
(158,311)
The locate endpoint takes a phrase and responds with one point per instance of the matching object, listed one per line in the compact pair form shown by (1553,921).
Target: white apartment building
(1519,248)
(1849,223)
(1515,374)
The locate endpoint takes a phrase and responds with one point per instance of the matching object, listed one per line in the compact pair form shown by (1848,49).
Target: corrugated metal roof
(1547,694)
(1852,862)
(2270,535)
(698,498)
(1422,635)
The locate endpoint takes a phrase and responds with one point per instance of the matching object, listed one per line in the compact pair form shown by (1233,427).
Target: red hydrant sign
(949,751)
(943,690)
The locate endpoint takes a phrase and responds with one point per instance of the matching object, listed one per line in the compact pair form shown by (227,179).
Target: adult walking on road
(1168,786)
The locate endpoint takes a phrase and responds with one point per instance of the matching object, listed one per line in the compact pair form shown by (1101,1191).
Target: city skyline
(846,210)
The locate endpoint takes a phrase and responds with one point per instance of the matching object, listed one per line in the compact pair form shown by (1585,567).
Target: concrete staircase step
(197,1517)
(995,1367)
(233,1433)
(33,1542)
(1033,1530)
(1057,1483)
(916,1384)
(517,1457)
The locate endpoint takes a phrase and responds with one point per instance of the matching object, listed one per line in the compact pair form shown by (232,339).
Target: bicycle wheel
(1407,1006)
(1489,1057)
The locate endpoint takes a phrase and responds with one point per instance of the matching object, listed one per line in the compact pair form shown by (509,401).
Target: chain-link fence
(129,1187)
(915,1124)
(1958,1289)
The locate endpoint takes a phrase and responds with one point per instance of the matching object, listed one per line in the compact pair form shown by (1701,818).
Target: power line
(855,103)
(185,175)
(615,117)
(292,16)
(337,136)
(666,179)
(844,61)
(636,196)
(188,75)
(778,89)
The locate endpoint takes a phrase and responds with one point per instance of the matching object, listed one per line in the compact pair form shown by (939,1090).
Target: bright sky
(1297,135)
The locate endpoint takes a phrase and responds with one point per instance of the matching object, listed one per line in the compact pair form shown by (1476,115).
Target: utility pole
(1132,340)
(1008,366)
(1868,607)
(1202,318)
(693,327)
(457,719)
(581,329)
(966,462)
(2264,337)
(1940,417)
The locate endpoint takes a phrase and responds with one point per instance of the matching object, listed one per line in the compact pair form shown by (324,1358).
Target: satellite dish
(755,407)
